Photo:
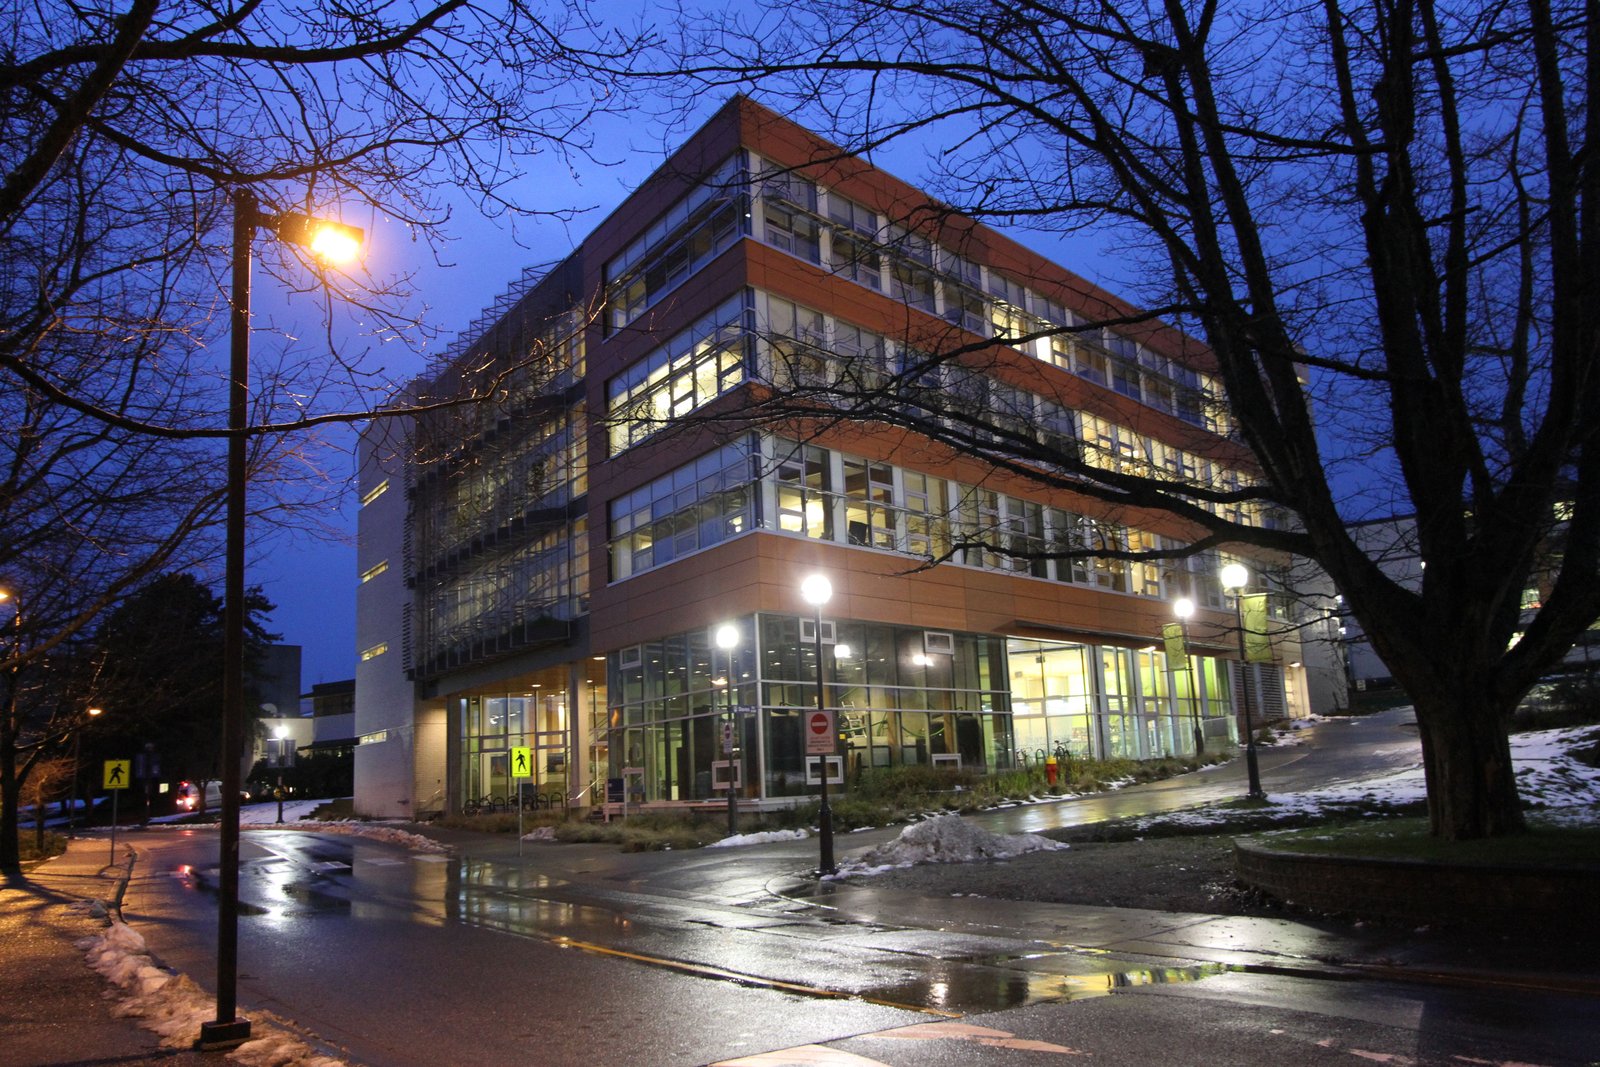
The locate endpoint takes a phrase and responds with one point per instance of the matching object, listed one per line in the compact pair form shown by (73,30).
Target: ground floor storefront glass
(490,725)
(657,726)
(1100,701)
(902,697)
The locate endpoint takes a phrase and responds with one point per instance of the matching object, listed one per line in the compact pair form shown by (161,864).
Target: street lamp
(281,733)
(330,242)
(727,638)
(77,748)
(1234,576)
(1183,608)
(817,591)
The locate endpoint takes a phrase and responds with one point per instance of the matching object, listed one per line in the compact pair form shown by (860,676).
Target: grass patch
(647,832)
(890,795)
(875,797)
(503,822)
(1408,838)
(28,846)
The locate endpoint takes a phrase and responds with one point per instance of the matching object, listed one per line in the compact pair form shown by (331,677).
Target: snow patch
(945,839)
(174,1008)
(762,838)
(1560,789)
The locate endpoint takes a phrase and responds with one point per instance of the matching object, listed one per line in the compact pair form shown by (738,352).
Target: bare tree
(1380,219)
(128,130)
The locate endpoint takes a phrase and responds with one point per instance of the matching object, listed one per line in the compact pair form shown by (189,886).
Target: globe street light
(727,638)
(1235,577)
(280,733)
(330,242)
(1183,608)
(817,591)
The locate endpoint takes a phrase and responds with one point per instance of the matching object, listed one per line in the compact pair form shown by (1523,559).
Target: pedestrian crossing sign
(521,762)
(117,773)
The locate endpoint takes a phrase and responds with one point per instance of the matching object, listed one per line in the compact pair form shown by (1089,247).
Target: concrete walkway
(54,1011)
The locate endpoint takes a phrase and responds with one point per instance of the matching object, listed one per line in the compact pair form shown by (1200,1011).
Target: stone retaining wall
(1417,892)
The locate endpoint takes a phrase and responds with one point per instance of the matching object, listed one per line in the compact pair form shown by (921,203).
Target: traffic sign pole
(826,865)
(115,780)
(521,770)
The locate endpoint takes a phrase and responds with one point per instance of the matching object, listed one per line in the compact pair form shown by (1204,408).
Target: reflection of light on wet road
(969,988)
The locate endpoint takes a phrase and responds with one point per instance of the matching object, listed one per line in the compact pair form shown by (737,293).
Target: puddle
(970,989)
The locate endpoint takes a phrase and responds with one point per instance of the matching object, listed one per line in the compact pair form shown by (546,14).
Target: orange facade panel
(761,572)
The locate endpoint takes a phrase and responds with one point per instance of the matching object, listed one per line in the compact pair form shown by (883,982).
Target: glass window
(685,238)
(691,369)
(869,503)
(792,231)
(695,506)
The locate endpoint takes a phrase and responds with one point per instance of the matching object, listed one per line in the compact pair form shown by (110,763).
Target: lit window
(373,571)
(375,651)
(375,492)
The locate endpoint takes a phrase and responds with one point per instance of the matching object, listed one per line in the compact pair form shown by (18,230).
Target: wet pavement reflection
(795,946)
(731,917)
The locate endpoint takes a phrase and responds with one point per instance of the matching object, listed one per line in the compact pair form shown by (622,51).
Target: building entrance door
(494,778)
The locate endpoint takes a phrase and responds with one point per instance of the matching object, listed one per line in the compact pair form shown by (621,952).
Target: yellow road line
(707,971)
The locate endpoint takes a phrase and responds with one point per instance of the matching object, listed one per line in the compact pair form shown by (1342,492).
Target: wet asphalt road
(580,954)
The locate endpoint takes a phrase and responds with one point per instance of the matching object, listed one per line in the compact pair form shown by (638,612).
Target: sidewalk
(55,1012)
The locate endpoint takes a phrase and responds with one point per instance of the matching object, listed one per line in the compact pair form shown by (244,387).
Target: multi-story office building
(547,570)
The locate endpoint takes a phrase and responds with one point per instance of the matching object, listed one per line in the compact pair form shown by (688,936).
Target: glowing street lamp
(1235,577)
(1183,608)
(330,242)
(817,591)
(281,733)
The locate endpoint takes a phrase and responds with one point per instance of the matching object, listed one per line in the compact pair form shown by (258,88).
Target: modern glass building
(549,569)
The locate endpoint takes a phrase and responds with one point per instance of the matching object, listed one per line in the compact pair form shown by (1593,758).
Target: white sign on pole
(819,733)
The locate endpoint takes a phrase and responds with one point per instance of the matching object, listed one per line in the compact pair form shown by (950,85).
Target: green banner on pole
(1177,654)
(1257,638)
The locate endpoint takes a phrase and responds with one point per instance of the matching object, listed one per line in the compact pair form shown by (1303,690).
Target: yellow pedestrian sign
(117,773)
(522,763)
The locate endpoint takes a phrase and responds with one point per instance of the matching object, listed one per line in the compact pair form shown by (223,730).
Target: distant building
(547,571)
(277,689)
(333,710)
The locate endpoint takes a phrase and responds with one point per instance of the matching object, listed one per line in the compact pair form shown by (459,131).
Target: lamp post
(1183,608)
(77,748)
(280,733)
(331,242)
(1234,576)
(817,591)
(727,638)
(8,708)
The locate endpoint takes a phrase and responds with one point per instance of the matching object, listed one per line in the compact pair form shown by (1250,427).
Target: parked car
(188,798)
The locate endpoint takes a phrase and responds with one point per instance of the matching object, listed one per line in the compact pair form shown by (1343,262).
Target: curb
(1506,896)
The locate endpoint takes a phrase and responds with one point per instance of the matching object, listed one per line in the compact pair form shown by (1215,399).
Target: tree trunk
(1472,791)
(10,794)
